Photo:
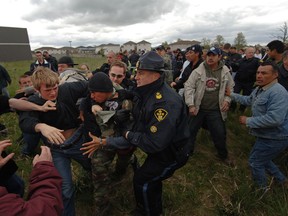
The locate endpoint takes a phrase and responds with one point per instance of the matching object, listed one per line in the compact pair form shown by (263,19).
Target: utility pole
(70,51)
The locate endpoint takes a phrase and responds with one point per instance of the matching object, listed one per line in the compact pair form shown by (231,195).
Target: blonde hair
(44,75)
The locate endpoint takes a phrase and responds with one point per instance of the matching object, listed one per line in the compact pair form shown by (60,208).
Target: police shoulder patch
(160,114)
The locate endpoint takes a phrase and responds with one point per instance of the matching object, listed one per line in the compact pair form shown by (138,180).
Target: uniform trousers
(147,183)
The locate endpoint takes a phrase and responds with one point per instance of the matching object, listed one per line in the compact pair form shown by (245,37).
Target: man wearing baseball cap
(160,130)
(194,56)
(208,105)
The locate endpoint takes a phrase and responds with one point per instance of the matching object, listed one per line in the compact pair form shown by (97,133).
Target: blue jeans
(260,160)
(14,184)
(62,161)
(212,121)
(31,141)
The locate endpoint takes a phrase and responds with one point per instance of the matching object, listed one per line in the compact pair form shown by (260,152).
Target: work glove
(123,121)
(125,94)
(122,116)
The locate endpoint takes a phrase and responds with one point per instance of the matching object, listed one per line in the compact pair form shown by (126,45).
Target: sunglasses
(118,76)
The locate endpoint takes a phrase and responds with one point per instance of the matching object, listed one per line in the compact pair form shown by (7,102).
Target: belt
(64,145)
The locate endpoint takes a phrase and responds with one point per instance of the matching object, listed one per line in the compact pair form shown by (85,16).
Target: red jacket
(44,196)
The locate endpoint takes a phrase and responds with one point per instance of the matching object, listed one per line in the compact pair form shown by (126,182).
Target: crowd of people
(154,101)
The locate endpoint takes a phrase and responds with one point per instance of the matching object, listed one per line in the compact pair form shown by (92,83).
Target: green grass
(204,186)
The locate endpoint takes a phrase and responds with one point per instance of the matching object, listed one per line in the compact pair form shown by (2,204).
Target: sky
(94,22)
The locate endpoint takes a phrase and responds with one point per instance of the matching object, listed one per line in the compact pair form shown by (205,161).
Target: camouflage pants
(168,76)
(102,171)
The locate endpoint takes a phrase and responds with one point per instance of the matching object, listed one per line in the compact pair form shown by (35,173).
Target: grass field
(204,186)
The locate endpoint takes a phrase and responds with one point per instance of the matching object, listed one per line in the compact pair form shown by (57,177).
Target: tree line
(240,40)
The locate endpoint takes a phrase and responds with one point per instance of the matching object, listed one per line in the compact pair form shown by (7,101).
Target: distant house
(58,51)
(50,50)
(144,45)
(14,44)
(68,50)
(88,49)
(107,48)
(183,44)
(129,46)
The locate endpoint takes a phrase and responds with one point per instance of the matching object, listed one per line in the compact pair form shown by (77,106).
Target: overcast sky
(94,22)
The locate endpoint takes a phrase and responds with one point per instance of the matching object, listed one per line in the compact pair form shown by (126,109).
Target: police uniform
(160,130)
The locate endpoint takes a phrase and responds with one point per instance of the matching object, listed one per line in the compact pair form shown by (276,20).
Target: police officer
(160,130)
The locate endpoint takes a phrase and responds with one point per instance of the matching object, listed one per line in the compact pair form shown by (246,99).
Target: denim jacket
(269,111)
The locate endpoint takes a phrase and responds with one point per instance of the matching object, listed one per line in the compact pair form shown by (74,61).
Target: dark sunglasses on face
(118,76)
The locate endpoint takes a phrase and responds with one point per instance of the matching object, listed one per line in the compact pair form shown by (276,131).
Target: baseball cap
(214,51)
(195,48)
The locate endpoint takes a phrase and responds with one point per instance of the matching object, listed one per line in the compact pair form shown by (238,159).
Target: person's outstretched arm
(44,195)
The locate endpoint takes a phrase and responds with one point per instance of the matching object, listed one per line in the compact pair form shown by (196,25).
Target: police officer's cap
(151,61)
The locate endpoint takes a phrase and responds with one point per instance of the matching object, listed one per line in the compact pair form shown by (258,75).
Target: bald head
(249,52)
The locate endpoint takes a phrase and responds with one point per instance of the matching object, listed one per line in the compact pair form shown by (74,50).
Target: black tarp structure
(14,44)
